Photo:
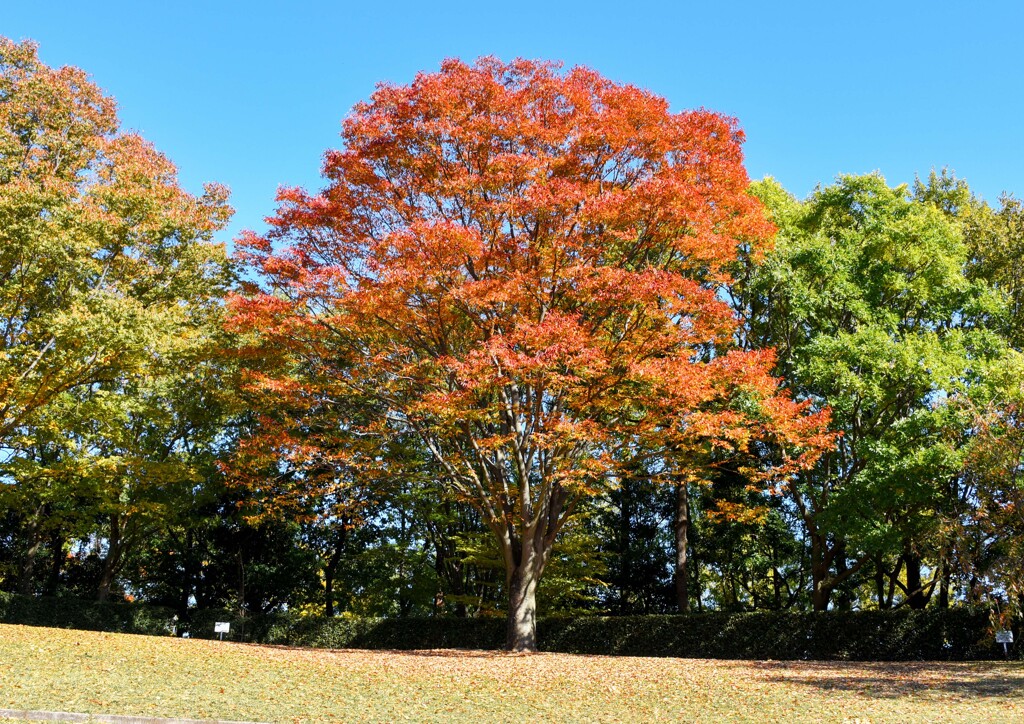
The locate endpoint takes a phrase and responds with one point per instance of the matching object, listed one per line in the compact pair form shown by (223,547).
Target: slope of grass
(56,669)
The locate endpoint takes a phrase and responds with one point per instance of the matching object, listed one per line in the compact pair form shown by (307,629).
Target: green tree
(111,289)
(97,240)
(868,302)
(991,527)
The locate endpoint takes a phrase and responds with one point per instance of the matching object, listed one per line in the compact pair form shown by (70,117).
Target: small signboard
(222,627)
(1004,637)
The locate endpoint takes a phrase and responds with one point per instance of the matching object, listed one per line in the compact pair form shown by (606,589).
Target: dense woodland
(538,344)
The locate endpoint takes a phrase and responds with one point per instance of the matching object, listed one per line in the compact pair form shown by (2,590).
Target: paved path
(63,716)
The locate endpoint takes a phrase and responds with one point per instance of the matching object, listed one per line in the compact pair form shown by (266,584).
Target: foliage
(112,387)
(995,242)
(748,564)
(100,246)
(519,269)
(633,524)
(85,615)
(992,530)
(869,304)
(523,355)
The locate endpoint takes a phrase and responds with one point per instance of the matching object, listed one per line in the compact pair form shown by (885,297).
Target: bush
(900,635)
(266,628)
(956,634)
(354,632)
(76,613)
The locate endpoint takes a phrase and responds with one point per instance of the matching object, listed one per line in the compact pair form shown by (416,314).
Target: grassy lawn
(55,669)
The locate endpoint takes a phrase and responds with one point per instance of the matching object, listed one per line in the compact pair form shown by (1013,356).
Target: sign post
(221,627)
(1005,638)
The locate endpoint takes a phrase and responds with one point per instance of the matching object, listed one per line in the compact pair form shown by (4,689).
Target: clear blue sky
(251,94)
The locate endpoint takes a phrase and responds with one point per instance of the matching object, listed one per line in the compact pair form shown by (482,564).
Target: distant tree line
(537,346)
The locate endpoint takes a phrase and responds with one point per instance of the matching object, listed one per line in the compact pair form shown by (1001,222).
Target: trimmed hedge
(76,613)
(901,635)
(382,633)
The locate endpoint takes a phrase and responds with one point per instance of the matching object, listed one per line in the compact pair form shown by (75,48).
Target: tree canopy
(520,268)
(538,344)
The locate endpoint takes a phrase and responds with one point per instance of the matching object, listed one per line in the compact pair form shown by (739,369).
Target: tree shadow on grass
(438,653)
(885,680)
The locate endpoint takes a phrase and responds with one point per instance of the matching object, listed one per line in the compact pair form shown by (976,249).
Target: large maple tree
(521,267)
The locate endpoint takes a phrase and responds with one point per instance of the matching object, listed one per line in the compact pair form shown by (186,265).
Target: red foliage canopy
(521,267)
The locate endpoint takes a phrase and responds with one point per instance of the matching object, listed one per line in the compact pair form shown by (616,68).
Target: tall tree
(521,267)
(111,290)
(995,245)
(636,520)
(867,301)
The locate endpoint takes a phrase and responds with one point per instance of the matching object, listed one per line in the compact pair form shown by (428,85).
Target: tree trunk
(404,601)
(625,535)
(945,582)
(528,560)
(56,563)
(894,581)
(26,583)
(241,584)
(329,590)
(35,540)
(820,592)
(112,560)
(189,574)
(844,601)
(915,593)
(823,556)
(451,572)
(682,531)
(106,582)
(522,610)
(332,567)
(699,597)
(879,574)
(776,580)
(525,554)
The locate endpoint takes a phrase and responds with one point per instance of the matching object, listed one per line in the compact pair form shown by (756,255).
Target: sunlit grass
(56,669)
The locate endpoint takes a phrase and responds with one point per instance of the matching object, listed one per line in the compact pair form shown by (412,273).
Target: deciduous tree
(97,240)
(111,289)
(867,300)
(521,267)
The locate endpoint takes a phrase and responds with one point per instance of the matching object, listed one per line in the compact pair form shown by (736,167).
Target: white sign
(222,627)
(1004,637)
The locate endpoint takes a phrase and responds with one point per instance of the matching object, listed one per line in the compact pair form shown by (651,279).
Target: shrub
(77,613)
(956,634)
(900,635)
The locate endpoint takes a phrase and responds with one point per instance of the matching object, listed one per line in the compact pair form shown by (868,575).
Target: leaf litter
(65,670)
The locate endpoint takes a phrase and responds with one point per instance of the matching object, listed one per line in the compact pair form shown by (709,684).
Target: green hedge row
(355,633)
(901,635)
(87,615)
